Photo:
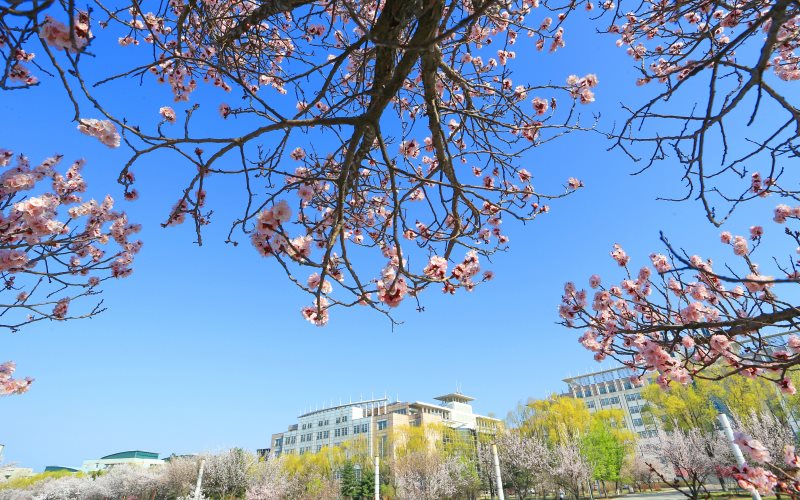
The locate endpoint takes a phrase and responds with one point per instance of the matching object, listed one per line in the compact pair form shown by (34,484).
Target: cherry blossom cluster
(680,315)
(47,261)
(16,35)
(104,130)
(10,385)
(429,199)
(773,476)
(744,53)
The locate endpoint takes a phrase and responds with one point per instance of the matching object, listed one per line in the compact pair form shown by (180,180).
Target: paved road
(658,495)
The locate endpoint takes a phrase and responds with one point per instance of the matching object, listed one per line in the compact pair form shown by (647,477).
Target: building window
(337,433)
(356,428)
(364,428)
(327,421)
(344,418)
(637,422)
(612,388)
(320,423)
(382,425)
(635,409)
(590,404)
(327,434)
(344,431)
(627,385)
(602,389)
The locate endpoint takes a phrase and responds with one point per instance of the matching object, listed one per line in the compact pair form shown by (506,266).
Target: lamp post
(726,428)
(497,475)
(197,490)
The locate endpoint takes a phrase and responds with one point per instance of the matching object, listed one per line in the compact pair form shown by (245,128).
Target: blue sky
(203,348)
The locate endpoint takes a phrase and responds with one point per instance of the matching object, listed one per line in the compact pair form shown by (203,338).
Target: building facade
(372,421)
(613,389)
(135,457)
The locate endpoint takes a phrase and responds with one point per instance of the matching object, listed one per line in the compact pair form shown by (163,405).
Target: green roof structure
(57,468)
(147,455)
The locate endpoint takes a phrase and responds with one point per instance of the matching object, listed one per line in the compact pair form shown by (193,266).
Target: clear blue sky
(203,348)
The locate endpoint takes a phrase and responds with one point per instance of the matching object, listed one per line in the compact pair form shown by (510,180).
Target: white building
(373,419)
(134,457)
(612,389)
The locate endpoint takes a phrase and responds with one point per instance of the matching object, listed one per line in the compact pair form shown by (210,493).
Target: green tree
(350,484)
(557,418)
(606,445)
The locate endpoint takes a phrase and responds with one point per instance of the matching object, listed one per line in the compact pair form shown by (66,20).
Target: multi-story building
(372,421)
(612,388)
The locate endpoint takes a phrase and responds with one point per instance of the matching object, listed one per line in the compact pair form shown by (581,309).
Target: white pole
(726,428)
(199,480)
(497,476)
(377,478)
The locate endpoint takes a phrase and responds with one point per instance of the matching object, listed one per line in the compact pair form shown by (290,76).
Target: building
(372,421)
(9,471)
(613,389)
(134,457)
(59,468)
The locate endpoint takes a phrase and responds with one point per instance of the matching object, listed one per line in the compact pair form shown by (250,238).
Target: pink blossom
(540,105)
(317,314)
(756,479)
(725,237)
(619,255)
(409,149)
(573,183)
(758,283)
(56,34)
(298,153)
(391,288)
(740,246)
(660,262)
(752,447)
(786,386)
(60,310)
(168,114)
(790,457)
(104,130)
(224,110)
(436,268)
(9,385)
(756,232)
(781,213)
(314,284)
(281,212)
(594,281)
(720,344)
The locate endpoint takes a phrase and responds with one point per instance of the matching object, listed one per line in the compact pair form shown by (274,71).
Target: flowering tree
(524,460)
(691,456)
(227,473)
(271,481)
(768,430)
(571,470)
(317,88)
(55,247)
(766,441)
(638,471)
(427,475)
